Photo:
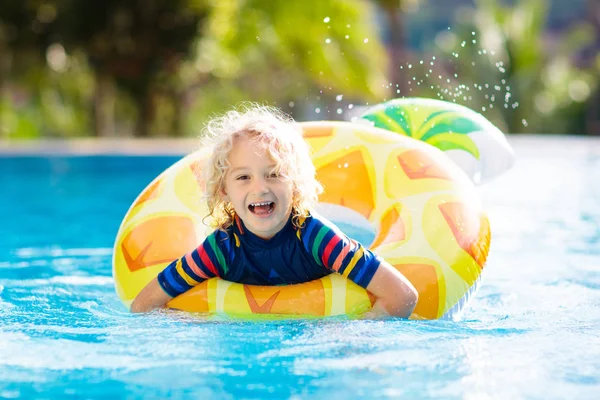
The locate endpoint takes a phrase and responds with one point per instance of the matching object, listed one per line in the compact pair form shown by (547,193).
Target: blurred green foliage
(517,77)
(162,67)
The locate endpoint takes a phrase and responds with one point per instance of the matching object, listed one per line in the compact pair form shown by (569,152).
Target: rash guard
(293,255)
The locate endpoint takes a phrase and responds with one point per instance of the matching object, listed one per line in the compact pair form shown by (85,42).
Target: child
(261,188)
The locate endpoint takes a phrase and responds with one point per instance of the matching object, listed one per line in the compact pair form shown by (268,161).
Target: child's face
(259,197)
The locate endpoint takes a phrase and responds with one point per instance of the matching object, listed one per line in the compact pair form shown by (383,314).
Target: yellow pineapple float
(422,209)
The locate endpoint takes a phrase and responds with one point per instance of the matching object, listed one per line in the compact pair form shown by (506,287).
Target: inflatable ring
(418,209)
(477,146)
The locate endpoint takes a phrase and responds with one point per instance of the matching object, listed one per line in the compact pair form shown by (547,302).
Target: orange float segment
(346,182)
(196,168)
(317,135)
(419,165)
(287,299)
(391,228)
(194,300)
(470,233)
(158,240)
(481,247)
(424,278)
(152,192)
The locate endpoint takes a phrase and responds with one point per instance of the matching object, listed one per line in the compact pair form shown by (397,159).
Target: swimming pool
(532,331)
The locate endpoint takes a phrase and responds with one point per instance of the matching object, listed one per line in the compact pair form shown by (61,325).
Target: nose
(260,186)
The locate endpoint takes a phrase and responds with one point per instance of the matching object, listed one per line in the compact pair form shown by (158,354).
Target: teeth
(264,203)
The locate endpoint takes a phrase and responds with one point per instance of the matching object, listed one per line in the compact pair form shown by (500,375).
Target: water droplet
(339,111)
(473,33)
(318,110)
(366,40)
(326,20)
(258,38)
(347,36)
(291,104)
(463,43)
(350,106)
(409,66)
(339,97)
(525,123)
(327,40)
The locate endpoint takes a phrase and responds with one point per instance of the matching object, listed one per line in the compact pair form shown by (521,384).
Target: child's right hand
(151,297)
(396,296)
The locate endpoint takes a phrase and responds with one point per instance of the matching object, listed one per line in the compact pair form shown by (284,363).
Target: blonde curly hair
(282,139)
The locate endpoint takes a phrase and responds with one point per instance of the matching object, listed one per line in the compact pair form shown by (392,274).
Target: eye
(242,178)
(274,175)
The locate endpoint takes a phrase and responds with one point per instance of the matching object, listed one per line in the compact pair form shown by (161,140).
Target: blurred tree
(295,54)
(130,43)
(510,69)
(41,88)
(593,56)
(139,55)
(393,12)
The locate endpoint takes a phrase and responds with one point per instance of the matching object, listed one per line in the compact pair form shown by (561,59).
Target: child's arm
(395,294)
(150,298)
(205,262)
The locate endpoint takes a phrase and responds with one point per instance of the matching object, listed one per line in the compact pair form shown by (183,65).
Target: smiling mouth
(262,208)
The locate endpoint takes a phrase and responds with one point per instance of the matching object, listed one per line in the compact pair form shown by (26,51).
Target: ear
(223,194)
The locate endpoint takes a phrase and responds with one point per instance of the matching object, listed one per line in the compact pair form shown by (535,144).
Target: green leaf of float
(448,121)
(401,116)
(453,141)
(385,120)
(450,125)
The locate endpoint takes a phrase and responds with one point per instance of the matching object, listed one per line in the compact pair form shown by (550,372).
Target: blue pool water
(531,332)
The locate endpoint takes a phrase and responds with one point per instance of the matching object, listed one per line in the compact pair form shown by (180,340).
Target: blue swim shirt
(291,256)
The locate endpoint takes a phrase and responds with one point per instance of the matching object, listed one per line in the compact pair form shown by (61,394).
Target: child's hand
(150,298)
(377,312)
(395,294)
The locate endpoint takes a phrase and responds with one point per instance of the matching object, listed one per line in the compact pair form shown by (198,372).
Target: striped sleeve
(209,260)
(335,251)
